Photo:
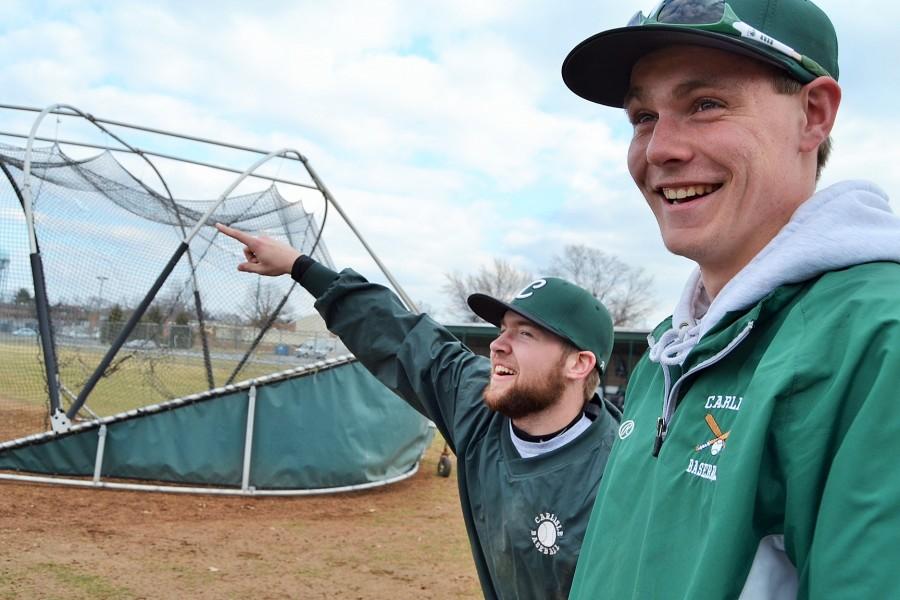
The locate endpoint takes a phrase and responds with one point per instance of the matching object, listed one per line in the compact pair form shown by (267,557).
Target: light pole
(4,271)
(102,279)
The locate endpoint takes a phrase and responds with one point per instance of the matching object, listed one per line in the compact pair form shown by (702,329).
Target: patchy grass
(60,580)
(139,377)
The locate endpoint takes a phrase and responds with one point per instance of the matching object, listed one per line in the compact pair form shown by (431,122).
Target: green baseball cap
(563,308)
(795,36)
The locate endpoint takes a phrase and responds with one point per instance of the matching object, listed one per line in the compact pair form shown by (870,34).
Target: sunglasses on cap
(717,16)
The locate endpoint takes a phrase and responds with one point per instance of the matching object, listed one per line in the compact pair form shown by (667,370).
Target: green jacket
(785,436)
(525,517)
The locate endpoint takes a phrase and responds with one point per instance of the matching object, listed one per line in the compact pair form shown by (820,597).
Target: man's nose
(500,344)
(668,143)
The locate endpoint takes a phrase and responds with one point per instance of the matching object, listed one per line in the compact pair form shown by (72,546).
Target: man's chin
(508,409)
(515,403)
(496,402)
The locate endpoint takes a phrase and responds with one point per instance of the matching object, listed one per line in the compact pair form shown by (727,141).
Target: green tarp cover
(331,428)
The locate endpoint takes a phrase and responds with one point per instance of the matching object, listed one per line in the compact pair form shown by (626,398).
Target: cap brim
(489,309)
(599,68)
(492,310)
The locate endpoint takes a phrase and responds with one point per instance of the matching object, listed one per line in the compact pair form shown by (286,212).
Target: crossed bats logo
(716,444)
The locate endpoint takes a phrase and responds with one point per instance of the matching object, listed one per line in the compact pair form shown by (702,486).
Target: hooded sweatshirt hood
(846,224)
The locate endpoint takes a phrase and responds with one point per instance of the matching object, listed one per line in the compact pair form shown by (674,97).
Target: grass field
(139,378)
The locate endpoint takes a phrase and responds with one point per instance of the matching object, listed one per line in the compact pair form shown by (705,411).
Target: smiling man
(757,453)
(530,433)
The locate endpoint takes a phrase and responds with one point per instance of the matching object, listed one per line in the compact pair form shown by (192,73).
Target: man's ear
(582,365)
(821,98)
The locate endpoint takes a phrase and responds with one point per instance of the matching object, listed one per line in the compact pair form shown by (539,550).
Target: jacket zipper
(662,423)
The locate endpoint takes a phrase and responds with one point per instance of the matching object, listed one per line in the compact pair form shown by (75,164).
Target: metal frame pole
(248,438)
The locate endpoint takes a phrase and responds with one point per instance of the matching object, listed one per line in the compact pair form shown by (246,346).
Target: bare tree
(261,304)
(500,280)
(625,290)
(176,302)
(181,302)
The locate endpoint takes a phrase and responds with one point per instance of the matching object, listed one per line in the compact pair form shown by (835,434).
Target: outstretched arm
(264,255)
(411,354)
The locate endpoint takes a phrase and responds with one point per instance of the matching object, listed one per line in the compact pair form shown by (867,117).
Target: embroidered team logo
(546,533)
(529,289)
(626,429)
(717,443)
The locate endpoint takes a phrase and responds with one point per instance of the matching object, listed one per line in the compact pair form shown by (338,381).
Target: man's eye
(526,333)
(707,104)
(641,118)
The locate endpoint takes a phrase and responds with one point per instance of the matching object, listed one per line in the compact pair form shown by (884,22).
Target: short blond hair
(590,384)
(592,380)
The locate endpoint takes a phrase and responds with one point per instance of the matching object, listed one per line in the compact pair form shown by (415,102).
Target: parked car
(24,332)
(318,348)
(141,344)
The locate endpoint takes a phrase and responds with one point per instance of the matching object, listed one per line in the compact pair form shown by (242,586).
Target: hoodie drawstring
(674,345)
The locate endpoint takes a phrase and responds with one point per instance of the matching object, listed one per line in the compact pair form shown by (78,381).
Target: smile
(503,371)
(678,195)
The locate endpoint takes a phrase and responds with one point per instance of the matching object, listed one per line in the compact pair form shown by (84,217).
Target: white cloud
(442,127)
(865,148)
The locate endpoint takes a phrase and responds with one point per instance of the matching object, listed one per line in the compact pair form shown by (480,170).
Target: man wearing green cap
(756,457)
(530,434)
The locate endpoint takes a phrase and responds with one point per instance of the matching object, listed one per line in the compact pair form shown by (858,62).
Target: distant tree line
(623,288)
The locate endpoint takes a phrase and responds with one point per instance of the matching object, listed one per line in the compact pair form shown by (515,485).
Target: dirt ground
(17,419)
(406,540)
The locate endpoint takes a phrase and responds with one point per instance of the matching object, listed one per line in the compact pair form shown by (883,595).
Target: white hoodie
(846,224)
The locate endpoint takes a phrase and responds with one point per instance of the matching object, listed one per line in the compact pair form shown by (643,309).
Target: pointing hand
(264,255)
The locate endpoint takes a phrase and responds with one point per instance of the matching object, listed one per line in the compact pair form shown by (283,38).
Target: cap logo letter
(529,289)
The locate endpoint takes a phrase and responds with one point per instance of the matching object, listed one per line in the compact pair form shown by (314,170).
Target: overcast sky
(443,128)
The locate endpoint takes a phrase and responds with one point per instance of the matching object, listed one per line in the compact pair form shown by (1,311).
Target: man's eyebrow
(636,93)
(633,93)
(514,319)
(686,87)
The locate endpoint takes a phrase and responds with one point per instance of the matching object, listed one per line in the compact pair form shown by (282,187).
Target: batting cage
(133,350)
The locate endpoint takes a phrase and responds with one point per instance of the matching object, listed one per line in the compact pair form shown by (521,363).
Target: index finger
(244,238)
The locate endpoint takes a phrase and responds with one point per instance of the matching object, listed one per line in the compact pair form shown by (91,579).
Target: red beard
(526,398)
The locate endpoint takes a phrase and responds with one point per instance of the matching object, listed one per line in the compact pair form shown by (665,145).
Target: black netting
(104,237)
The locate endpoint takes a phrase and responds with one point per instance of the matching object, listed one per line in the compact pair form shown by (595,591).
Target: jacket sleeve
(854,549)
(409,353)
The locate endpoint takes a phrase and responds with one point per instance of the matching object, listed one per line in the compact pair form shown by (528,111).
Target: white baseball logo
(546,534)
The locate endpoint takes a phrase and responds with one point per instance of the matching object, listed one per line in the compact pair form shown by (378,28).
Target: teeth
(501,370)
(675,194)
